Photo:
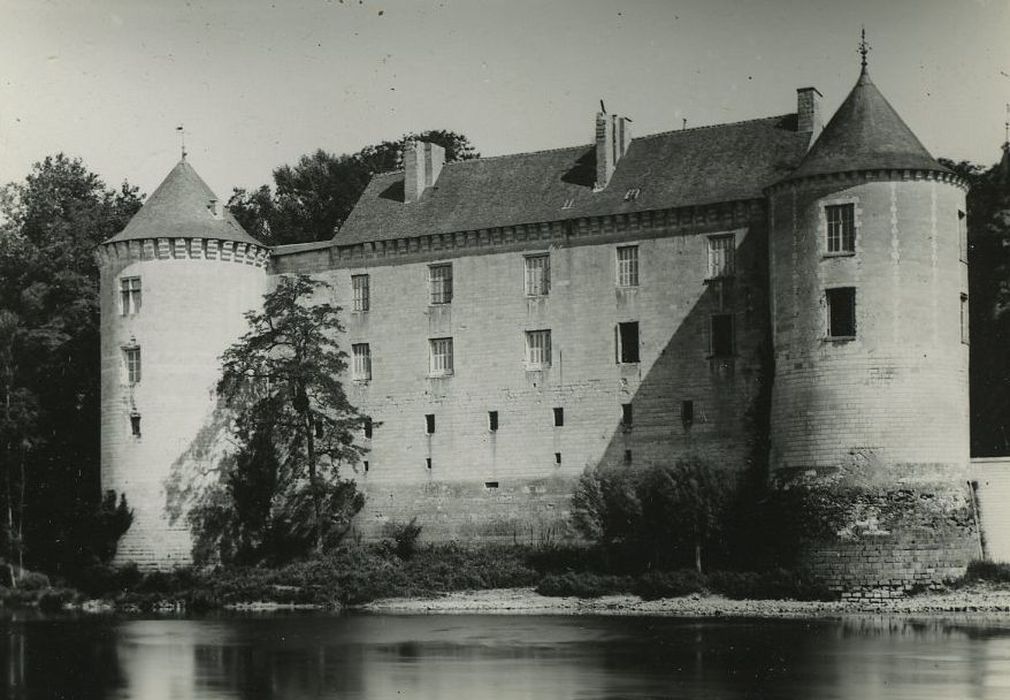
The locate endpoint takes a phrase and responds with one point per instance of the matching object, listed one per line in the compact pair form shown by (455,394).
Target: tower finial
(864,47)
(182,137)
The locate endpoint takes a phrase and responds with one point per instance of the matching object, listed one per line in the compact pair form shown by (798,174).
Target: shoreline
(526,601)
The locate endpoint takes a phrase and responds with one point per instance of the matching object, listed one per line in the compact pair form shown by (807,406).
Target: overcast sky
(258,84)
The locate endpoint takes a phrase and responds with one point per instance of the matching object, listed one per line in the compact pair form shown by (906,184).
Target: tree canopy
(311,199)
(49,434)
(282,493)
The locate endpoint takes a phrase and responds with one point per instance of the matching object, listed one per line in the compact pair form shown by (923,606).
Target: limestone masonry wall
(193,295)
(510,480)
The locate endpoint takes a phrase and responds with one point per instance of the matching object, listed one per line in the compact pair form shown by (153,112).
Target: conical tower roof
(865,134)
(182,207)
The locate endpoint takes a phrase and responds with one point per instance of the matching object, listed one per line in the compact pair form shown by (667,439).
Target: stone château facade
(513,320)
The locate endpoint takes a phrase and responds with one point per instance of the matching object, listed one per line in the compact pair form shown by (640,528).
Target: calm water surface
(378,656)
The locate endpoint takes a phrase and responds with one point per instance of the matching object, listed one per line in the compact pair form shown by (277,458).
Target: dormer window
(632,194)
(569,203)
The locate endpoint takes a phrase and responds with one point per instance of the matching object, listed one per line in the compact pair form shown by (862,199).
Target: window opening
(538,275)
(841,228)
(135,424)
(490,484)
(687,413)
(440,358)
(627,266)
(721,335)
(132,358)
(361,369)
(557,458)
(962,235)
(841,312)
(492,421)
(129,292)
(721,256)
(361,292)
(367,427)
(559,417)
(627,342)
(627,416)
(429,423)
(538,349)
(440,283)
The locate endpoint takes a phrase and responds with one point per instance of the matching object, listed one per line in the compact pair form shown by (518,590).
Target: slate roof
(690,167)
(866,134)
(179,209)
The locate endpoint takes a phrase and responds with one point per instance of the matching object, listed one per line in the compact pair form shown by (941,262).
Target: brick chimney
(808,112)
(613,136)
(422,163)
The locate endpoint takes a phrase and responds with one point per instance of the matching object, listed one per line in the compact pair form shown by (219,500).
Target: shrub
(404,537)
(984,570)
(668,584)
(584,585)
(32,581)
(776,584)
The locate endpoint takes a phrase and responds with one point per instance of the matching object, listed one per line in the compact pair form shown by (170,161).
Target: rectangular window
(492,421)
(841,228)
(367,428)
(440,357)
(135,424)
(427,462)
(361,369)
(964,319)
(721,256)
(440,283)
(627,266)
(559,417)
(627,456)
(841,312)
(365,463)
(627,416)
(429,423)
(962,235)
(538,349)
(687,414)
(721,340)
(538,275)
(132,358)
(490,484)
(360,287)
(557,458)
(129,293)
(627,342)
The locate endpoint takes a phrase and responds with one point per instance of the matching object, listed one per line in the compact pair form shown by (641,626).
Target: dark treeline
(989,304)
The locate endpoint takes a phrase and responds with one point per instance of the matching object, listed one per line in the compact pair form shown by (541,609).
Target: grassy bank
(354,575)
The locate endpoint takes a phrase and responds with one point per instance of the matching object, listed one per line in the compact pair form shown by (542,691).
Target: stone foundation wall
(878,542)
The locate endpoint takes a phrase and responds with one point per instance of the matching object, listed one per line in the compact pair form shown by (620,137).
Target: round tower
(869,283)
(175,284)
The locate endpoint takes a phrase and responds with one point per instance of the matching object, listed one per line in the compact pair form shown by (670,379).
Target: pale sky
(257,84)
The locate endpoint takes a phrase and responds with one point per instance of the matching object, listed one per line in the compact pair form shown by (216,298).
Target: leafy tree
(49,226)
(663,515)
(311,199)
(295,426)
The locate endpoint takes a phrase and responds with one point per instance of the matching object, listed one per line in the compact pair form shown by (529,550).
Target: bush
(668,584)
(404,537)
(778,584)
(584,585)
(32,581)
(992,571)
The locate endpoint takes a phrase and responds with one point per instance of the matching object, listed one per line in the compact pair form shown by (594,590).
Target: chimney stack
(613,136)
(808,112)
(422,163)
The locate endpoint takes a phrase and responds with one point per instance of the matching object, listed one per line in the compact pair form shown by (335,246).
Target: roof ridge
(714,126)
(588,145)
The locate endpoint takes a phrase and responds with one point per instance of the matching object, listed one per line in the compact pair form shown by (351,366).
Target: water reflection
(358,656)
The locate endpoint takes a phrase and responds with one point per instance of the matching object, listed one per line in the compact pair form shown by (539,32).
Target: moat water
(470,656)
